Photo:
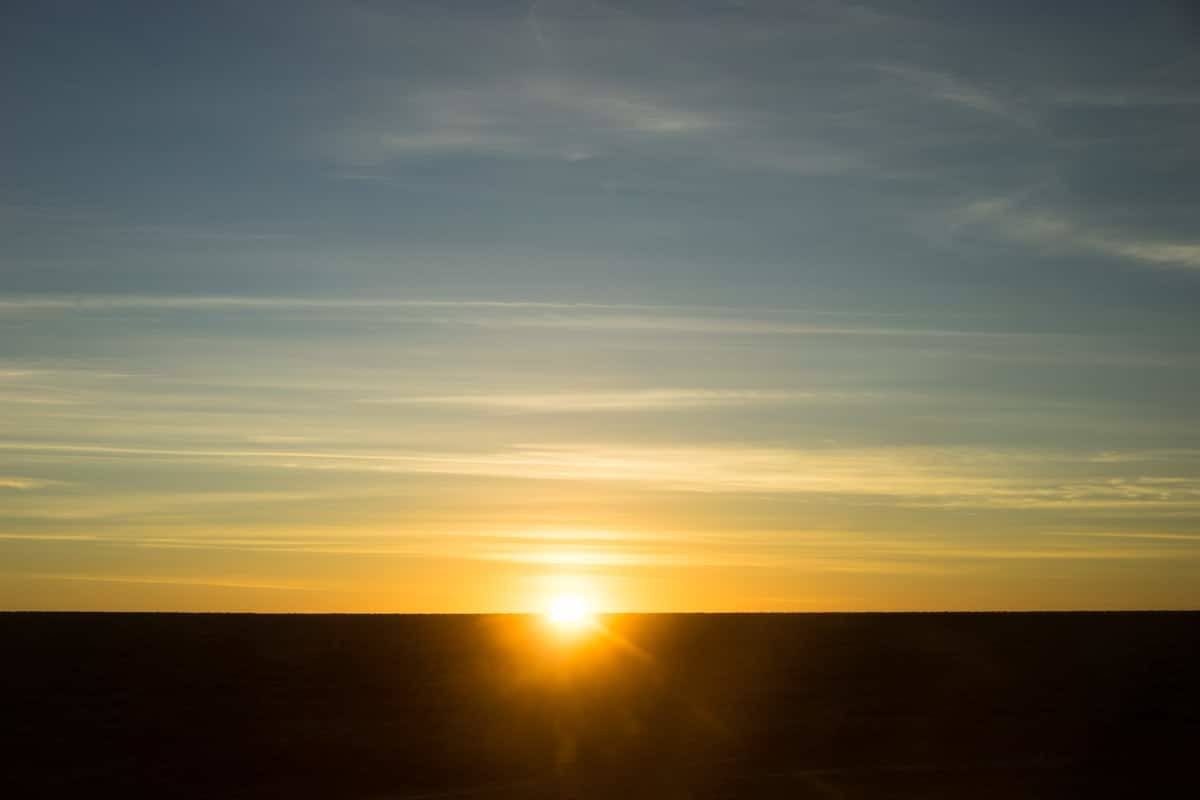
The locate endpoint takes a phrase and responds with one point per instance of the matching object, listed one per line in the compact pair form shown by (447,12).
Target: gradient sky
(445,306)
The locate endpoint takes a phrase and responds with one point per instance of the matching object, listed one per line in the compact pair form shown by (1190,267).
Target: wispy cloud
(23,484)
(845,553)
(956,91)
(567,119)
(551,118)
(1145,96)
(102,302)
(915,476)
(716,320)
(214,582)
(52,537)
(722,324)
(1051,228)
(631,400)
(1162,536)
(146,506)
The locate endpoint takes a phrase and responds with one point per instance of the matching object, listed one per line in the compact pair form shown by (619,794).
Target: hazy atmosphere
(675,306)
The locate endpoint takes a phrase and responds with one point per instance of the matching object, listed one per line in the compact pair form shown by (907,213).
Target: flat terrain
(676,706)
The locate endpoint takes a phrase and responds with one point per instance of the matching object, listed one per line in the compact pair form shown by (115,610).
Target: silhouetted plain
(662,706)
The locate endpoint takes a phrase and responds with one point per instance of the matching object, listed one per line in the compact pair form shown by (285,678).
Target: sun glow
(569,613)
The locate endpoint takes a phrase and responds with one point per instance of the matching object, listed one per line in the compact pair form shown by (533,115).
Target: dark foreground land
(688,706)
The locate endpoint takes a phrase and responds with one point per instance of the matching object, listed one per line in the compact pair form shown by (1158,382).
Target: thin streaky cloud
(535,28)
(38,399)
(167,302)
(868,555)
(634,400)
(517,118)
(1150,536)
(53,537)
(948,88)
(155,302)
(1040,553)
(582,315)
(159,302)
(24,484)
(725,325)
(133,505)
(1046,227)
(915,477)
(164,581)
(1133,97)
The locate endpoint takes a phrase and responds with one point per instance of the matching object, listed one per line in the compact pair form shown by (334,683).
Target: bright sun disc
(569,613)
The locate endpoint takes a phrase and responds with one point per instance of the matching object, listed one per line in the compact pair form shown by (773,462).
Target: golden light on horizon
(569,614)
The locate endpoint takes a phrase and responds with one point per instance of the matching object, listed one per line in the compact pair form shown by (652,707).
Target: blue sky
(428,306)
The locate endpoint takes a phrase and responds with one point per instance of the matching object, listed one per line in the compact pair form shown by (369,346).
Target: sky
(737,306)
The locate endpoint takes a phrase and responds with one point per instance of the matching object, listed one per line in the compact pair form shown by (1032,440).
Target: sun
(569,613)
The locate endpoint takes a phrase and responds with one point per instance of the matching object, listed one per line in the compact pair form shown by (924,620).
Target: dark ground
(681,706)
